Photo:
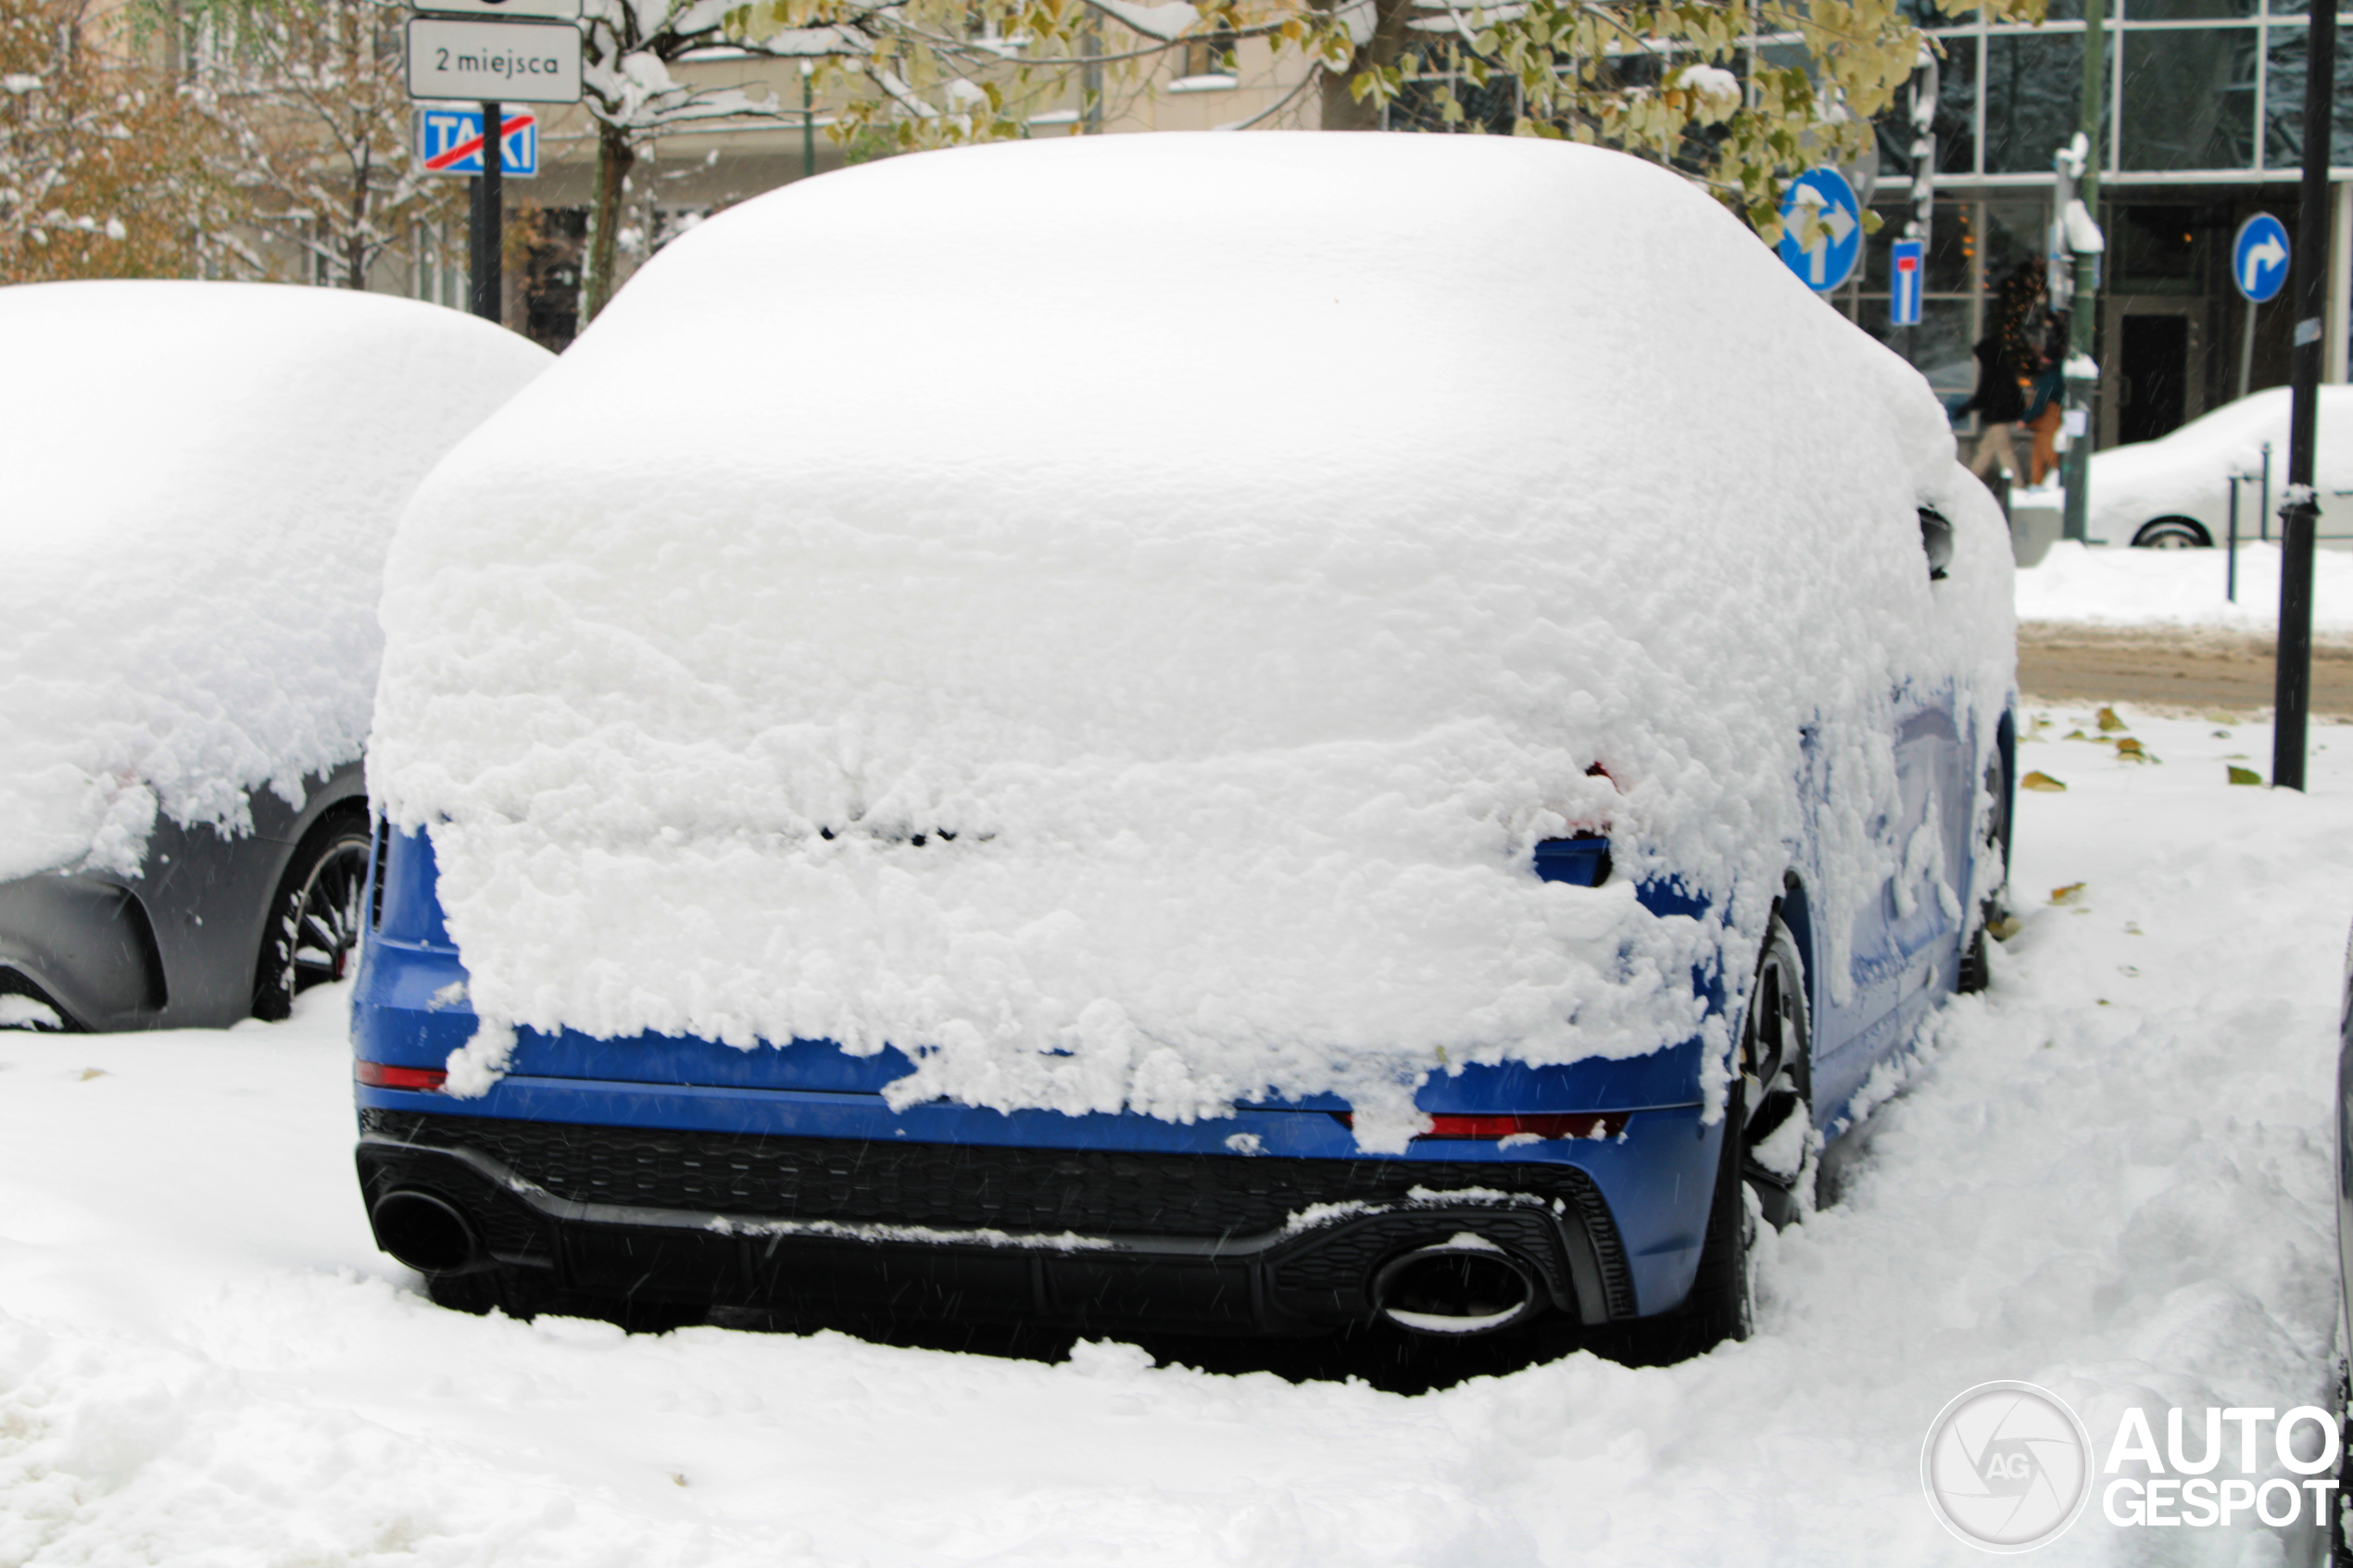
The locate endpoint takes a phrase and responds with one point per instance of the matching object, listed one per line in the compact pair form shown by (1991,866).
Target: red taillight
(376,1076)
(1579,1125)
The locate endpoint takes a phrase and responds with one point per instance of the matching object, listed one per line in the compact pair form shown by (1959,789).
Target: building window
(2033,96)
(1207,59)
(2188,98)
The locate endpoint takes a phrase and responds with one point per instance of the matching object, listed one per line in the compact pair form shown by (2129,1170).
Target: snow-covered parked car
(196,484)
(2174,492)
(1295,731)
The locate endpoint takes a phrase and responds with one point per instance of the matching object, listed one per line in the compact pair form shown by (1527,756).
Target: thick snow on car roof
(196,484)
(1112,617)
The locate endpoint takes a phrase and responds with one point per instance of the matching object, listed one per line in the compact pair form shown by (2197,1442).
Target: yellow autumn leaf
(2067,894)
(2244,776)
(2043,781)
(2108,721)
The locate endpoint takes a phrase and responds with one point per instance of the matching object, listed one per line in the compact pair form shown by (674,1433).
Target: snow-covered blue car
(1017,798)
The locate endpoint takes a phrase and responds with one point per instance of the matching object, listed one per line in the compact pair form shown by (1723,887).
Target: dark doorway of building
(2154,359)
(2154,364)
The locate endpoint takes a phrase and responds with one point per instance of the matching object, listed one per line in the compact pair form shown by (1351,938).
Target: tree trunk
(356,248)
(614,156)
(1342,110)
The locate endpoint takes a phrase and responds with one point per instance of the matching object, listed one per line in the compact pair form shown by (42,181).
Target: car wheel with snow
(1770,1158)
(2173,534)
(314,921)
(1992,914)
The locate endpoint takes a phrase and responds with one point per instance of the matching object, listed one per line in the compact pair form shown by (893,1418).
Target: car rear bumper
(1096,1239)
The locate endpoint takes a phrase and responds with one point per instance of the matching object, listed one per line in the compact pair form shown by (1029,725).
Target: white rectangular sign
(488,61)
(565,10)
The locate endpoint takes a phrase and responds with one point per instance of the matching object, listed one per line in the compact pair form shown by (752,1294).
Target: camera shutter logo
(2006,1466)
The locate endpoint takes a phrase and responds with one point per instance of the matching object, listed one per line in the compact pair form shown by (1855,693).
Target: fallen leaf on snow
(2040,780)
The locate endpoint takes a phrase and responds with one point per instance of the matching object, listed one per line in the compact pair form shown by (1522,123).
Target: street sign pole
(2080,375)
(489,222)
(2292,692)
(465,59)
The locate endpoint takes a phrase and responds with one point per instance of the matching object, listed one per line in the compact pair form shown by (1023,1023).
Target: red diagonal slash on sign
(466,149)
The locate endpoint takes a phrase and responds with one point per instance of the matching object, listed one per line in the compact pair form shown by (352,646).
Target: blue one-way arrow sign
(1824,263)
(2258,258)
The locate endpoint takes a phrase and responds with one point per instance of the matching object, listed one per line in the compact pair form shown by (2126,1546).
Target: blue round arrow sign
(2258,258)
(1837,243)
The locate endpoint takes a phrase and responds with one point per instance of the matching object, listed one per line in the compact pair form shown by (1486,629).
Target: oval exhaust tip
(1464,1285)
(422,1231)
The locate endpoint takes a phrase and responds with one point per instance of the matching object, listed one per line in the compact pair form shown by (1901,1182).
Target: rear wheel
(1976,971)
(1765,1173)
(2173,534)
(315,919)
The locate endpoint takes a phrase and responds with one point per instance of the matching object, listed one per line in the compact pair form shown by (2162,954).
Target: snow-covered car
(1294,732)
(2174,492)
(197,482)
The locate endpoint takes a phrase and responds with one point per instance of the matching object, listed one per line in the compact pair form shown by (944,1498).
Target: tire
(1770,1157)
(1976,973)
(315,918)
(2173,534)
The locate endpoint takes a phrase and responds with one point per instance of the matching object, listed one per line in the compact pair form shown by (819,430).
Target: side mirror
(1936,539)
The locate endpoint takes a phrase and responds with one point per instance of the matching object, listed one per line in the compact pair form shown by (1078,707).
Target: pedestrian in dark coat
(2007,360)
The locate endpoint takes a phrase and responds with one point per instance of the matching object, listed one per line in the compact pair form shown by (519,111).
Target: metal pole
(2083,375)
(808,122)
(489,288)
(2300,512)
(2230,572)
(1925,91)
(2246,347)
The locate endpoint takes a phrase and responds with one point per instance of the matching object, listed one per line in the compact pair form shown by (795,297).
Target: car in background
(2174,492)
(200,482)
(1047,825)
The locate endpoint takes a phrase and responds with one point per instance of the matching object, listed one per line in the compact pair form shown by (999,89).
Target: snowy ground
(2110,1177)
(2121,586)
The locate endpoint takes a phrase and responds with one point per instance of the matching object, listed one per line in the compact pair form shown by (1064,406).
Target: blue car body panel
(408,1011)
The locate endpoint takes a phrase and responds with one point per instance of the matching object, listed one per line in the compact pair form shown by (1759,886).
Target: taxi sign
(449,141)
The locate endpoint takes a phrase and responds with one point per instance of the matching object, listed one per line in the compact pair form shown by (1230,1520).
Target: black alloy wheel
(1771,1154)
(315,920)
(2171,533)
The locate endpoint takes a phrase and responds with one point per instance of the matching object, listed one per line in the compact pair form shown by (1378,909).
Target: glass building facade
(2205,102)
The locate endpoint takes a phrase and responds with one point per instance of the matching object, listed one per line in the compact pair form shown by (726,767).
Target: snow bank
(2127,587)
(196,483)
(1124,646)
